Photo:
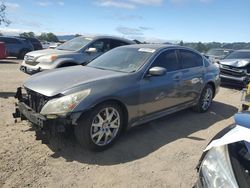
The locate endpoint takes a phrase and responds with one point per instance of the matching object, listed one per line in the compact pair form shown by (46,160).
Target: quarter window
(167,60)
(190,59)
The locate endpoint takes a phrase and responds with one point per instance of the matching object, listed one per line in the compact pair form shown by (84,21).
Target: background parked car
(216,54)
(45,44)
(16,47)
(3,53)
(235,68)
(34,41)
(53,45)
(122,88)
(226,160)
(79,50)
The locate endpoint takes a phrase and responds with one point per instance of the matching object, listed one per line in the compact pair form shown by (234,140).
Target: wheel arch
(114,101)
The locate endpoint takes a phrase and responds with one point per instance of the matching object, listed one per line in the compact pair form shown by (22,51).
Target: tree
(181,43)
(50,37)
(1,34)
(27,34)
(3,19)
(201,47)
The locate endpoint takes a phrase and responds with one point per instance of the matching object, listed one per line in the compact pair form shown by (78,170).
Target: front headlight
(64,104)
(242,63)
(47,58)
(216,169)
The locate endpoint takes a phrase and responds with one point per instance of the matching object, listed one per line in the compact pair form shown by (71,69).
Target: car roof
(96,37)
(220,49)
(243,50)
(158,47)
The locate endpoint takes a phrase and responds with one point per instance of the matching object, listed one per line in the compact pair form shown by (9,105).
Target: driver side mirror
(91,50)
(157,71)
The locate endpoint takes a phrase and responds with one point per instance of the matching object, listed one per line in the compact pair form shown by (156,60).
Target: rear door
(192,74)
(13,46)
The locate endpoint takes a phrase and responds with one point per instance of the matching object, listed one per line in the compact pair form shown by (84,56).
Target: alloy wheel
(105,126)
(207,99)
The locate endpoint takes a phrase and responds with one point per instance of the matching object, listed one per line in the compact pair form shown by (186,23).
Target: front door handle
(177,78)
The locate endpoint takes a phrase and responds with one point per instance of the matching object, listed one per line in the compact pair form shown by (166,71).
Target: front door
(101,46)
(162,92)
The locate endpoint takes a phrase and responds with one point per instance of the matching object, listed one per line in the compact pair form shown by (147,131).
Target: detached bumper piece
(233,76)
(232,80)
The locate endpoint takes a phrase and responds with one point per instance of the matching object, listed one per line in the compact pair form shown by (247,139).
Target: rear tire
(205,100)
(98,129)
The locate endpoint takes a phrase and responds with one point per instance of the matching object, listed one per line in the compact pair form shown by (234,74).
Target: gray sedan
(124,87)
(79,50)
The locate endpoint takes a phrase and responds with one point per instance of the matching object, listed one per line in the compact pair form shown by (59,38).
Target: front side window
(190,59)
(101,45)
(167,60)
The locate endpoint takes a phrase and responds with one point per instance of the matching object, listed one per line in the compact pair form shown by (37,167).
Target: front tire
(100,128)
(205,100)
(22,54)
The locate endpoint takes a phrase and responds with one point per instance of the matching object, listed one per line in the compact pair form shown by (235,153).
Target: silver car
(125,87)
(79,50)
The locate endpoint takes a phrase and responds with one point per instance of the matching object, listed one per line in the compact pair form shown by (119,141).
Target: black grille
(31,63)
(36,100)
(232,71)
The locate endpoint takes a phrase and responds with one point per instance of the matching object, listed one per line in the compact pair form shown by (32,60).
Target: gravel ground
(162,153)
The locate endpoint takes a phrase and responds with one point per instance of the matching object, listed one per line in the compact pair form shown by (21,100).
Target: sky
(150,20)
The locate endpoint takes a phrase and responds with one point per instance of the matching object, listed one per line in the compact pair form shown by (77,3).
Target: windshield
(239,55)
(74,44)
(217,52)
(122,59)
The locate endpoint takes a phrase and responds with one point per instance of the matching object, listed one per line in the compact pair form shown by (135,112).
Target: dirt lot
(162,153)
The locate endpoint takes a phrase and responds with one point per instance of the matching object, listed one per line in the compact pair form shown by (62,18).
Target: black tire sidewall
(22,54)
(83,127)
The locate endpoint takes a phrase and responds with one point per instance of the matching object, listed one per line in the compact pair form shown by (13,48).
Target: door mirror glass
(91,50)
(157,71)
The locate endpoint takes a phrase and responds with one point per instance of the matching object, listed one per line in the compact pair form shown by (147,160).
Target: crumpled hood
(40,53)
(51,83)
(234,62)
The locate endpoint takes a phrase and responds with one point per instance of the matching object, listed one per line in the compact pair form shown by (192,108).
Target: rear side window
(116,43)
(190,59)
(167,60)
(12,41)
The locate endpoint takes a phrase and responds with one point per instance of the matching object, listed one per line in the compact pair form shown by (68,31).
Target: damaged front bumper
(59,123)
